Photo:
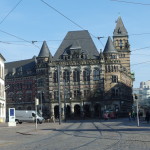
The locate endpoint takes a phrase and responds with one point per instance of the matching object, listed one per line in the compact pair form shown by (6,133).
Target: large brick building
(90,82)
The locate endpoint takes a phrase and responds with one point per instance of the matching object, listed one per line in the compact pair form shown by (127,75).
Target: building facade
(2,91)
(85,81)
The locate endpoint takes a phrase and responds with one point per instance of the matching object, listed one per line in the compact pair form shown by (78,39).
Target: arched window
(76,76)
(66,76)
(86,75)
(96,75)
(121,44)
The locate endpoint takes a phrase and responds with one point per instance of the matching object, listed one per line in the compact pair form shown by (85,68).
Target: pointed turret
(109,48)
(44,52)
(120,29)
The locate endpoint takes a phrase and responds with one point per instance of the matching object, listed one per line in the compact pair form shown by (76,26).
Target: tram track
(94,138)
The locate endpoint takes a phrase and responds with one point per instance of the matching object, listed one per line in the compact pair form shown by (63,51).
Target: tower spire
(120,29)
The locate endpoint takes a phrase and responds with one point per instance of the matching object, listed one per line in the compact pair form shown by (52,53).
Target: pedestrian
(129,116)
(133,115)
(147,118)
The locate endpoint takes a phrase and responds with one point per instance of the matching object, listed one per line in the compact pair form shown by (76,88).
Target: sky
(24,21)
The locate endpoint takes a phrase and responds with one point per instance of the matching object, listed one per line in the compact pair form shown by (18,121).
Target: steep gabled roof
(109,47)
(27,64)
(78,39)
(44,52)
(120,29)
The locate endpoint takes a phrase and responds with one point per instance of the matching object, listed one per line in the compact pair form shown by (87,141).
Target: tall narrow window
(86,75)
(96,75)
(76,76)
(55,77)
(76,93)
(114,78)
(120,44)
(66,76)
(115,92)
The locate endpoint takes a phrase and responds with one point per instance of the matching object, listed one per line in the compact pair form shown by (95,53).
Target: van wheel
(17,121)
(39,122)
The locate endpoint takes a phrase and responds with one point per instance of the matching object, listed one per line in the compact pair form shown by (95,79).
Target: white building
(2,91)
(145,90)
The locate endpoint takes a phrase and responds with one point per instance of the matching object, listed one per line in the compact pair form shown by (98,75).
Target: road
(119,134)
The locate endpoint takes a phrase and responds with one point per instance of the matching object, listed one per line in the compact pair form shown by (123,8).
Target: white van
(27,116)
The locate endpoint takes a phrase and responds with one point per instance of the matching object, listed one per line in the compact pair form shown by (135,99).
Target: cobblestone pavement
(117,134)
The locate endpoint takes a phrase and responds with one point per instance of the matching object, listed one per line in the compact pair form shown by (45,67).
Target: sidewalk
(133,123)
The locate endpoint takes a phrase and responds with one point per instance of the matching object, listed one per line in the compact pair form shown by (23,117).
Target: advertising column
(11,117)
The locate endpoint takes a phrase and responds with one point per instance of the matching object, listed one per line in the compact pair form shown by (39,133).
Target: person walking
(129,116)
(147,118)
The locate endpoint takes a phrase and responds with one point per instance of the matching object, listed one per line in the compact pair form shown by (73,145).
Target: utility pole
(36,103)
(137,110)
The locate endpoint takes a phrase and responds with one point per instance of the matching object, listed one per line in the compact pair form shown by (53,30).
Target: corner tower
(120,40)
(42,78)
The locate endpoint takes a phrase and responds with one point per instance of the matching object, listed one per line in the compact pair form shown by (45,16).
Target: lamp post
(137,110)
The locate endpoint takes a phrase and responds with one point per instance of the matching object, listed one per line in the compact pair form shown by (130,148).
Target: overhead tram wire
(130,2)
(140,48)
(18,38)
(70,20)
(10,33)
(140,63)
(10,11)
